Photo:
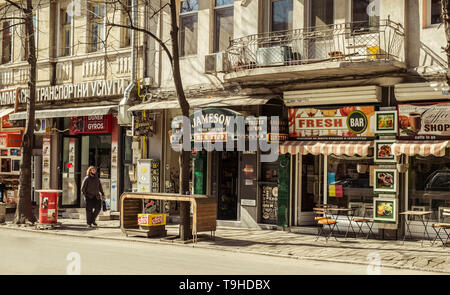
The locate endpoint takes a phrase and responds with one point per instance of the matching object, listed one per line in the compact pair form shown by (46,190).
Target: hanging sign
(349,122)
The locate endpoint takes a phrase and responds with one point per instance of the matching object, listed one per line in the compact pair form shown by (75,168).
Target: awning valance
(422,148)
(69,112)
(339,148)
(202,103)
(4,112)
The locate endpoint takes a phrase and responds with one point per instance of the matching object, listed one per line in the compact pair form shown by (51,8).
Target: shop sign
(151,219)
(143,124)
(321,123)
(90,124)
(424,121)
(386,123)
(212,124)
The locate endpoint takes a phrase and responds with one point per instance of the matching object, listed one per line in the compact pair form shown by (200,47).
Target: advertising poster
(385,180)
(46,161)
(424,121)
(386,123)
(385,209)
(384,152)
(351,122)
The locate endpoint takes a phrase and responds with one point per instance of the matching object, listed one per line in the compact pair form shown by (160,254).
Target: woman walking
(91,189)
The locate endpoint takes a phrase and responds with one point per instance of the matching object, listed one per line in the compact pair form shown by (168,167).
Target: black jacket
(91,187)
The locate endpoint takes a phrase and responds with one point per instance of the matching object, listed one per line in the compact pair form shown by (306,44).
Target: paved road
(38,253)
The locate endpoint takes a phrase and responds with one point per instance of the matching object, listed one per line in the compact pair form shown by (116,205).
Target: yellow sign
(155,219)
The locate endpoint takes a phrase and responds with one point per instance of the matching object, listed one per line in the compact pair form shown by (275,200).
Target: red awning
(338,148)
(422,148)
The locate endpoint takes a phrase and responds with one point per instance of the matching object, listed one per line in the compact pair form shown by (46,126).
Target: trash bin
(48,206)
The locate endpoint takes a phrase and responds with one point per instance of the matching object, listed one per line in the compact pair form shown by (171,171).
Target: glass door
(310,187)
(70,172)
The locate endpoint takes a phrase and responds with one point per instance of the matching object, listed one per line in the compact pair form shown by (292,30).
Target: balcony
(317,52)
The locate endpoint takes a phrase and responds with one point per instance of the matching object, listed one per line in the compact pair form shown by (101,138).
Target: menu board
(269,203)
(424,121)
(351,122)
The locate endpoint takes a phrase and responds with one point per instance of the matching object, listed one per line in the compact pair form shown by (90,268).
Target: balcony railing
(352,42)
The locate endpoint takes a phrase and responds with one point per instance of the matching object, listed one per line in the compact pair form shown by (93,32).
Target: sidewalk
(280,243)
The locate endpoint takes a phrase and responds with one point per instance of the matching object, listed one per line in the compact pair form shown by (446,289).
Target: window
(435,12)
(125,33)
(322,13)
(223,24)
(65,33)
(96,14)
(188,27)
(7,42)
(361,16)
(281,15)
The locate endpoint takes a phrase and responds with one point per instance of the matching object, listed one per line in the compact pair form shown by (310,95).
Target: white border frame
(395,209)
(375,156)
(381,190)
(386,132)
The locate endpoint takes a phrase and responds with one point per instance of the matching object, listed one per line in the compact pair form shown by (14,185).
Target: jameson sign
(348,122)
(424,121)
(87,89)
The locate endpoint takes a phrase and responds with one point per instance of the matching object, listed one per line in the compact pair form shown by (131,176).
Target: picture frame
(386,122)
(385,209)
(385,180)
(384,152)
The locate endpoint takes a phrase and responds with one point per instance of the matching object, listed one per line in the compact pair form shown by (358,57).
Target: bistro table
(421,215)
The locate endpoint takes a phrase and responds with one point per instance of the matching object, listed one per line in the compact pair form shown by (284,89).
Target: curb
(159,242)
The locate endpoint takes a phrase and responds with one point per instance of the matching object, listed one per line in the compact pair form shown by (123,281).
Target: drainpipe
(124,117)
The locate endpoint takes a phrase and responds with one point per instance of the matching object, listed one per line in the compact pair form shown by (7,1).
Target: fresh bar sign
(331,123)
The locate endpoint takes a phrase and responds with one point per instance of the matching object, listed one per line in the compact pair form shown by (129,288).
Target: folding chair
(442,226)
(322,220)
(365,220)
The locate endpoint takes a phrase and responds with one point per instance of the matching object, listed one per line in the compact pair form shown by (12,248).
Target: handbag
(104,206)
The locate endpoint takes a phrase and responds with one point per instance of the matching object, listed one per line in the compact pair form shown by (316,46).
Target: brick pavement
(409,255)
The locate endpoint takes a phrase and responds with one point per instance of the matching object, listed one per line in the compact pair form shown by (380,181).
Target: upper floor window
(435,12)
(65,33)
(364,14)
(223,24)
(322,13)
(25,43)
(7,42)
(280,15)
(125,33)
(188,27)
(96,20)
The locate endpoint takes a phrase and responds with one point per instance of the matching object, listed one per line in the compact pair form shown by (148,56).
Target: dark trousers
(93,207)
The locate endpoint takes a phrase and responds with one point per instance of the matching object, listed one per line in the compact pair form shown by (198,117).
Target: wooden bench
(203,219)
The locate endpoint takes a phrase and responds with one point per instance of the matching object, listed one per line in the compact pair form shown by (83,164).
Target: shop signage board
(350,122)
(151,219)
(91,124)
(386,123)
(384,152)
(46,146)
(385,180)
(385,209)
(424,121)
(143,124)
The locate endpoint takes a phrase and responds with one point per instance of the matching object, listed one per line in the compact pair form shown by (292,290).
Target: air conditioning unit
(273,56)
(43,126)
(216,63)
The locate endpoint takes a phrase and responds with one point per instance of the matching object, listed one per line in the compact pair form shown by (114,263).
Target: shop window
(125,33)
(223,24)
(350,182)
(281,15)
(429,185)
(435,12)
(361,18)
(25,42)
(188,27)
(96,14)
(7,42)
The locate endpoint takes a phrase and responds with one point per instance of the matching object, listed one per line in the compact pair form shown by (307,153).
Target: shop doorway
(225,184)
(70,172)
(309,187)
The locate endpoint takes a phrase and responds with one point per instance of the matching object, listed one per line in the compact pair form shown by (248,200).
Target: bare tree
(24,212)
(445,18)
(174,58)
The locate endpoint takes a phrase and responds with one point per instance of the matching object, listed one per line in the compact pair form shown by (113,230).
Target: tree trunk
(24,211)
(445,18)
(185,215)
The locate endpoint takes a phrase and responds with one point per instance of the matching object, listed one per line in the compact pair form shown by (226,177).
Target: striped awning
(339,148)
(422,148)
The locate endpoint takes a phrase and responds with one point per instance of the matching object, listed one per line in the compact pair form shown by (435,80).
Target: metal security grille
(352,42)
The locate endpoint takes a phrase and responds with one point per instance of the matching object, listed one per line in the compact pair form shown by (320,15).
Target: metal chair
(365,220)
(322,220)
(442,226)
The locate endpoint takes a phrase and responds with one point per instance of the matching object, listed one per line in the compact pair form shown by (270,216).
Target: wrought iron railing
(353,42)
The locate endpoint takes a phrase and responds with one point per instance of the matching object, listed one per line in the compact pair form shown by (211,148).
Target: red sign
(5,122)
(10,139)
(91,124)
